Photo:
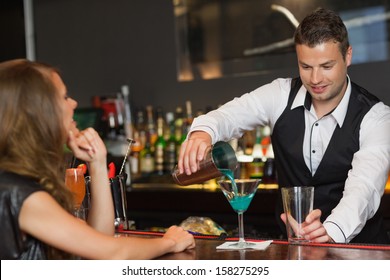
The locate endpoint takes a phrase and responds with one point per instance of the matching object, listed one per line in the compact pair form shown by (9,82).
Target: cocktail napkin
(260,245)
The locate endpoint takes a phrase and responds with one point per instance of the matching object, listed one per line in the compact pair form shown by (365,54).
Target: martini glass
(239,193)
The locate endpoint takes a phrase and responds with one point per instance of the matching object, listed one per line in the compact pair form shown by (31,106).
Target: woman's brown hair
(32,134)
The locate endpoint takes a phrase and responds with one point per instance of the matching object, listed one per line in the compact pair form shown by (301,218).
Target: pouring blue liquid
(238,202)
(230,174)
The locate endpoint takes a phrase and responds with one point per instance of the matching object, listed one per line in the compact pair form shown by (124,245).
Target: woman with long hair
(36,120)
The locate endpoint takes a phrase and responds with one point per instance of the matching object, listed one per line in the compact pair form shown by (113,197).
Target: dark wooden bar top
(156,204)
(278,250)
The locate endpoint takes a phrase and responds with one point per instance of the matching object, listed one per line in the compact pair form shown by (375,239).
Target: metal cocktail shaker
(220,156)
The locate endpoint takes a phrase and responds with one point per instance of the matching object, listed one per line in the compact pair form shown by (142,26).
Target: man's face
(323,72)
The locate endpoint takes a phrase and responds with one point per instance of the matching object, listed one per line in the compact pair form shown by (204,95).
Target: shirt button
(313,151)
(316,124)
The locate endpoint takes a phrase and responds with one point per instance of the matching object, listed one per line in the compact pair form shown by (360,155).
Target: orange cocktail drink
(74,180)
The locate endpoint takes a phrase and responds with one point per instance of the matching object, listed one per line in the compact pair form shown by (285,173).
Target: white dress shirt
(366,180)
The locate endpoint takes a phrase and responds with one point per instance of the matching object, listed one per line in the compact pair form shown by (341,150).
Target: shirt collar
(303,98)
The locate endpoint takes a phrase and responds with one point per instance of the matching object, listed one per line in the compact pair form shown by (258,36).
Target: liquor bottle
(189,115)
(187,122)
(257,165)
(266,142)
(134,159)
(140,127)
(127,108)
(166,129)
(147,158)
(178,123)
(269,171)
(179,129)
(150,126)
(111,131)
(269,175)
(159,146)
(243,159)
(183,137)
(170,149)
(120,116)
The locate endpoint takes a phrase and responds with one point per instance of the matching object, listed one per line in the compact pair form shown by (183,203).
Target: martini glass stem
(241,239)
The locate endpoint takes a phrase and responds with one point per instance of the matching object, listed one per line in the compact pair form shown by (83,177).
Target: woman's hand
(87,145)
(182,239)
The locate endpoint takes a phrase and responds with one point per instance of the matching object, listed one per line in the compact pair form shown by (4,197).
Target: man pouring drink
(327,132)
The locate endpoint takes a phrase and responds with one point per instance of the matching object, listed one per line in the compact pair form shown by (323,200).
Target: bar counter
(278,250)
(154,204)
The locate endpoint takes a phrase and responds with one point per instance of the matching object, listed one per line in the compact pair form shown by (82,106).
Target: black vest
(329,179)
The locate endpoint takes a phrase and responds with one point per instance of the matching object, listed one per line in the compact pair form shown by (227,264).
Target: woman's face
(67,104)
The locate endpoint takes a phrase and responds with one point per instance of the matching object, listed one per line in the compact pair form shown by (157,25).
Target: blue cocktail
(239,193)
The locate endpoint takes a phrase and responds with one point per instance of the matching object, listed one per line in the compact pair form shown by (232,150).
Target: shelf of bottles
(158,136)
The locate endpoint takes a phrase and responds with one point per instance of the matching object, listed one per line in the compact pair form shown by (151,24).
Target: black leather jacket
(14,244)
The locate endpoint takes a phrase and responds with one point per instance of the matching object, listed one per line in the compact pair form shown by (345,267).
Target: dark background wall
(100,45)
(12,38)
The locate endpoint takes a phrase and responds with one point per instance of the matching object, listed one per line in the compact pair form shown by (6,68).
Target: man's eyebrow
(329,62)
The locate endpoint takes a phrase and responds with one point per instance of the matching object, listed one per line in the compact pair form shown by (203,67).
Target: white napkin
(261,245)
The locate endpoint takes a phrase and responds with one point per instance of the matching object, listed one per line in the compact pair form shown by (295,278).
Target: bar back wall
(100,45)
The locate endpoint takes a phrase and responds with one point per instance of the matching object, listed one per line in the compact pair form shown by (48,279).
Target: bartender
(327,132)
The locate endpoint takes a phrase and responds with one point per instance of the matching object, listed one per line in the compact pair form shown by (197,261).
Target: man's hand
(192,151)
(313,230)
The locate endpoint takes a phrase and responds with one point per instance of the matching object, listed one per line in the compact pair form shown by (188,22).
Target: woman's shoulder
(19,185)
(14,190)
